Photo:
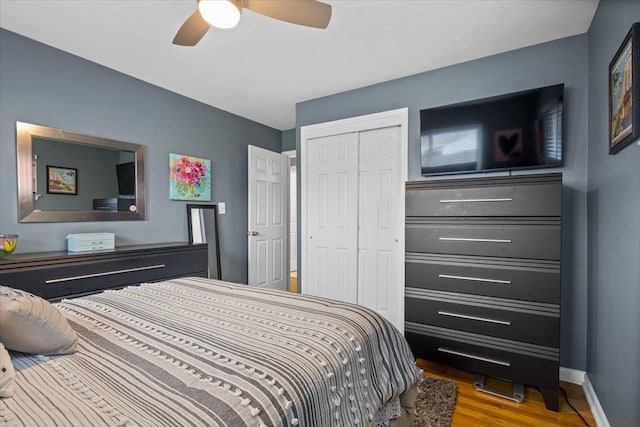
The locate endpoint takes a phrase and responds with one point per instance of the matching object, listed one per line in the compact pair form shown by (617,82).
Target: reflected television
(126,174)
(521,130)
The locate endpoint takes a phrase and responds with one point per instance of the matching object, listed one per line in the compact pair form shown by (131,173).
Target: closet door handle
(475,279)
(465,239)
(475,200)
(480,319)
(473,356)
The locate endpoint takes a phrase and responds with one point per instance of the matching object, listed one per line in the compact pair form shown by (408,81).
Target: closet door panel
(332,217)
(380,223)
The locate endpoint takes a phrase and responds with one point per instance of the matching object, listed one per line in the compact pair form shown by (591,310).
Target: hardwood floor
(293,281)
(474,408)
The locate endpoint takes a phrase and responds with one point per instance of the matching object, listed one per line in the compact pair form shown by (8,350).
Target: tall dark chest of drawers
(483,276)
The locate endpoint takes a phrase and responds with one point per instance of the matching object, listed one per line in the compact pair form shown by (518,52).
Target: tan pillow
(7,373)
(30,324)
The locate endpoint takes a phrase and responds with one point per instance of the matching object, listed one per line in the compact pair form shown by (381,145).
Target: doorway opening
(293,222)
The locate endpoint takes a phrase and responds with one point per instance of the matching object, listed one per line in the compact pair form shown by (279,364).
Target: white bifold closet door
(332,240)
(356,220)
(381,223)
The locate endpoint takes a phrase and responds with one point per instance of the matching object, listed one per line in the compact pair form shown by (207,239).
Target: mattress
(203,352)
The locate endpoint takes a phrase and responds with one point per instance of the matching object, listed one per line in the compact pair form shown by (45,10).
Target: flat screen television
(126,173)
(521,130)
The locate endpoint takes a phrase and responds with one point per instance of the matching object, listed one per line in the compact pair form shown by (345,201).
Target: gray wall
(288,140)
(613,209)
(561,61)
(45,86)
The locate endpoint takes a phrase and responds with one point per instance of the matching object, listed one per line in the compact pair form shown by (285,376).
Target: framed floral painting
(189,178)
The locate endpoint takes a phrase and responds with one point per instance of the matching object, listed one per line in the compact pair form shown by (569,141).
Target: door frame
(399,117)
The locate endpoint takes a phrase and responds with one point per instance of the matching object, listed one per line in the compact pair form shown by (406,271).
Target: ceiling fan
(226,14)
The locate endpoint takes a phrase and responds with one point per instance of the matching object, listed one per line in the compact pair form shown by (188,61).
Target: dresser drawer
(489,197)
(526,364)
(506,237)
(498,277)
(515,320)
(55,280)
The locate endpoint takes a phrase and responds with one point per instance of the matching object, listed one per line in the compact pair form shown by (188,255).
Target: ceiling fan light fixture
(221,13)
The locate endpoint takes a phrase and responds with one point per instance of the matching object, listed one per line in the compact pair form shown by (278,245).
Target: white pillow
(30,324)
(7,373)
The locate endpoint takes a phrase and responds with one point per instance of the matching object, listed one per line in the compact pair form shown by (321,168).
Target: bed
(203,352)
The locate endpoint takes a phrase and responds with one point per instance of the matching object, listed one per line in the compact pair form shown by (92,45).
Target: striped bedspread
(201,352)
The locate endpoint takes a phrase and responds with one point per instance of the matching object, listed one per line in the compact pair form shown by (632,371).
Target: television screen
(514,131)
(126,173)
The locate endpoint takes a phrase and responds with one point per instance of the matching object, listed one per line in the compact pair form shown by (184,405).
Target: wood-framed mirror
(66,176)
(202,223)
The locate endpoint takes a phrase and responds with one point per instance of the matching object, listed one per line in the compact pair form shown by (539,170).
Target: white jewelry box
(82,242)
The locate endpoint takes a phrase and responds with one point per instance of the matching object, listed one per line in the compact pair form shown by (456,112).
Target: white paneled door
(267,233)
(353,174)
(332,239)
(381,222)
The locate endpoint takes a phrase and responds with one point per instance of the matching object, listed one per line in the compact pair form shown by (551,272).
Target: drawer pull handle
(481,319)
(106,273)
(473,356)
(465,239)
(475,200)
(475,279)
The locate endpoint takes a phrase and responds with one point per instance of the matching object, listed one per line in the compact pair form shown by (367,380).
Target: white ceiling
(263,67)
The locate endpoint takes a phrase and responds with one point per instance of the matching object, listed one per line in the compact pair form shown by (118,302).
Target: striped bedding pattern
(202,352)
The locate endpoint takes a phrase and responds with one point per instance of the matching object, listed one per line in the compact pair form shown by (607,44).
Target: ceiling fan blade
(310,13)
(192,30)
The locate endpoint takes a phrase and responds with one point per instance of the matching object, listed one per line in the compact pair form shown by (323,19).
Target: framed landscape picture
(624,92)
(62,180)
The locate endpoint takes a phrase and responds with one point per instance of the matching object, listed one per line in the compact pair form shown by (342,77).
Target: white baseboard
(594,403)
(572,376)
(575,376)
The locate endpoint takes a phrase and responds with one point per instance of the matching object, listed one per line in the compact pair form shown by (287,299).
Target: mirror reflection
(202,223)
(65,176)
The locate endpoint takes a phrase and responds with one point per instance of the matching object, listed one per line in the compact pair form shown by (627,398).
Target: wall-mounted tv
(514,131)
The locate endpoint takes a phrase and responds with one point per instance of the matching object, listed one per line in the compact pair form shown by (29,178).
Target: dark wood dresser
(483,276)
(54,275)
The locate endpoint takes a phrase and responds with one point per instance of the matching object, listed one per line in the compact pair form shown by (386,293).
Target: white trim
(291,154)
(399,117)
(572,376)
(576,376)
(594,403)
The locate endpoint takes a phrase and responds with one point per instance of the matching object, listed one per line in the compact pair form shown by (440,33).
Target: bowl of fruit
(8,244)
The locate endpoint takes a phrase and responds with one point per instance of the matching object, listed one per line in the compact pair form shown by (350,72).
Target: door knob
(252,233)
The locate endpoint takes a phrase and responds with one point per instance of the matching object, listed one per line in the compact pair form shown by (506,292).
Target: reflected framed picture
(624,92)
(62,180)
(508,146)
